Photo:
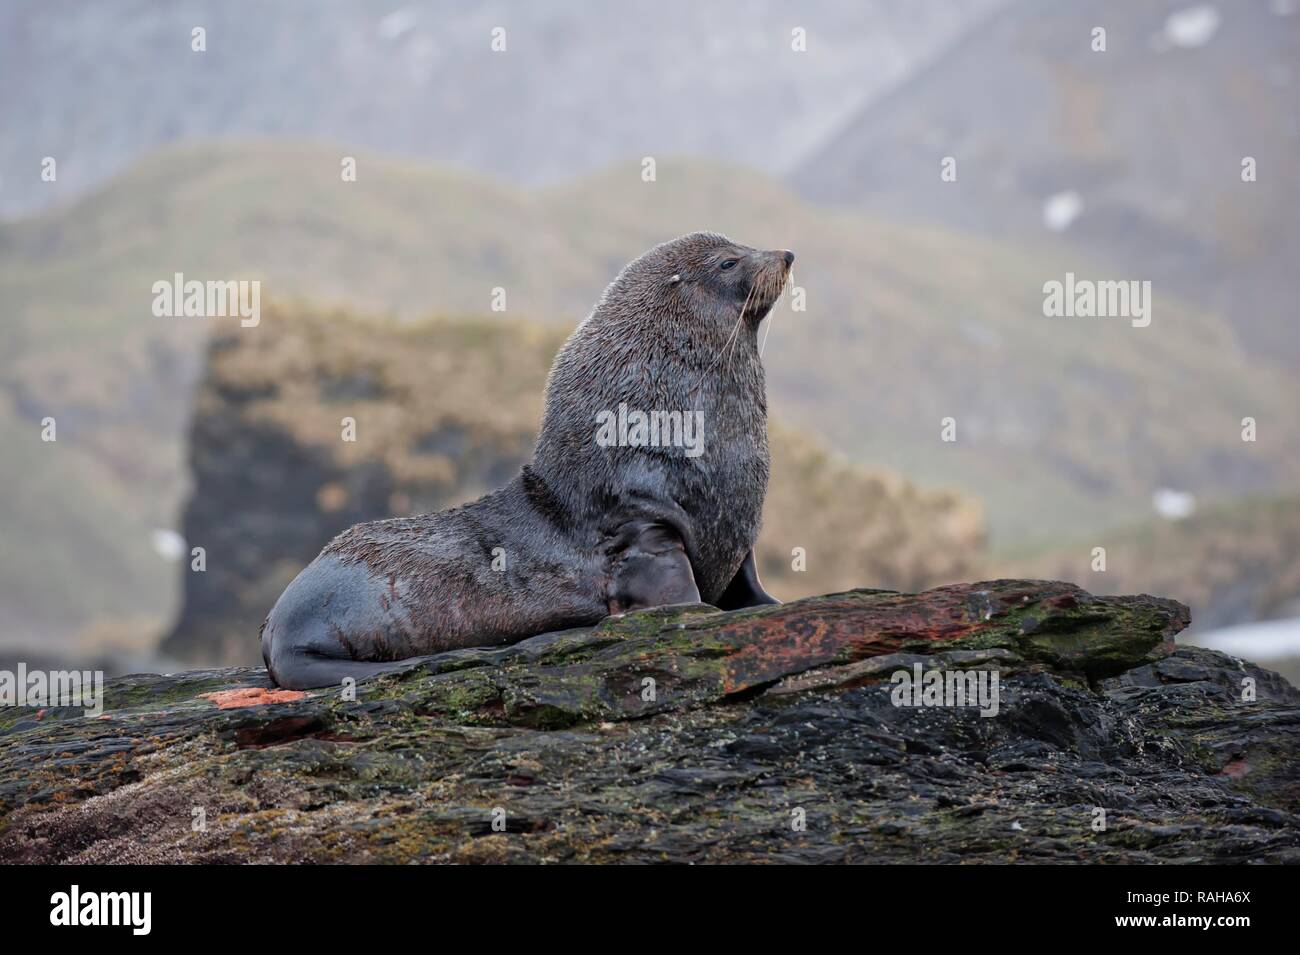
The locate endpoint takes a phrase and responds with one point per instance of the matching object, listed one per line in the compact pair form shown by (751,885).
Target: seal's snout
(771,272)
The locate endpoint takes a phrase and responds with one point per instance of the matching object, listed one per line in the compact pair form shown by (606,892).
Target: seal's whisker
(734,337)
(734,330)
(771,316)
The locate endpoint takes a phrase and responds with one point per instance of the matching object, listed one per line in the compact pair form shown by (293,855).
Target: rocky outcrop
(687,734)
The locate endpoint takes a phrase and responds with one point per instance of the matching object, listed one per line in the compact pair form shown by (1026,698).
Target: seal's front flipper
(650,568)
(745,589)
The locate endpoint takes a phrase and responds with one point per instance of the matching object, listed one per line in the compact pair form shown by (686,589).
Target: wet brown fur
(585,529)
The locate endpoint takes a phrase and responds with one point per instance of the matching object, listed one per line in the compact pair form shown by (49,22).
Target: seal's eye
(728,264)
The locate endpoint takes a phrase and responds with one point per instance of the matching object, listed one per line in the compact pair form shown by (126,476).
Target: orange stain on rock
(251,696)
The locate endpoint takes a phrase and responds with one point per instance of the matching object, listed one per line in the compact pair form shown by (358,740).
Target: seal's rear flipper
(308,671)
(745,589)
(650,568)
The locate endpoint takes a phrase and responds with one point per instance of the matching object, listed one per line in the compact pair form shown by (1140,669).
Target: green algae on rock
(686,734)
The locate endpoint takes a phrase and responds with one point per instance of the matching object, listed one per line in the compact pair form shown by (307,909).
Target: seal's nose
(788,256)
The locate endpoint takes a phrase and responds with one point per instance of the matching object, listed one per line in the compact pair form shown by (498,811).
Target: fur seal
(599,522)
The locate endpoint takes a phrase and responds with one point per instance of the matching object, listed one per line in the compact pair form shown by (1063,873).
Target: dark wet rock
(685,734)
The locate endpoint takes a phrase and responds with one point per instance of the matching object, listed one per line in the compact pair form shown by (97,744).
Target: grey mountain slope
(578,86)
(1149,134)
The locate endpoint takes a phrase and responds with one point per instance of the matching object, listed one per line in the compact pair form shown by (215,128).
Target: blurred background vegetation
(522,170)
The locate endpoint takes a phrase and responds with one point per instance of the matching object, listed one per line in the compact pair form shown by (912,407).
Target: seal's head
(705,277)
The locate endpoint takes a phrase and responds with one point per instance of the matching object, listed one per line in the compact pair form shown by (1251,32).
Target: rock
(686,734)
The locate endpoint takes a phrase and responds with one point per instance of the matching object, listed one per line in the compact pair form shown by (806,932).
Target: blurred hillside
(445,411)
(1231,562)
(580,84)
(1063,426)
(1135,153)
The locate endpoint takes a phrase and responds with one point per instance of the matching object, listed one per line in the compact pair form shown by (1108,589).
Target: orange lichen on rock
(251,696)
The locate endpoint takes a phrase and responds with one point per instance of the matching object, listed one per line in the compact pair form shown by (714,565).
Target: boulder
(685,734)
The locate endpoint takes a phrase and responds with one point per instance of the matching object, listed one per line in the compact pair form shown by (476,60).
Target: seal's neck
(625,366)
